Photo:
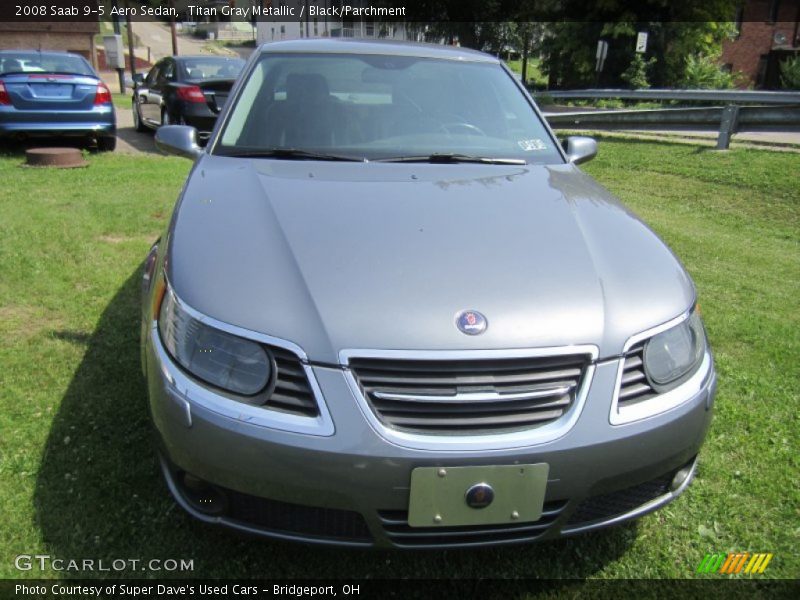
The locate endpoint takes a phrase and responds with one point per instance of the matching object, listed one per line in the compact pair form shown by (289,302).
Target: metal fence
(716,96)
(773,111)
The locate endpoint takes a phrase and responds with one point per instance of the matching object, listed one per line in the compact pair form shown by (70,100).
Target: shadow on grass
(14,146)
(99,494)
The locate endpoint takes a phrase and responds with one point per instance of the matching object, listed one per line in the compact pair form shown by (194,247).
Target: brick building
(768,34)
(77,37)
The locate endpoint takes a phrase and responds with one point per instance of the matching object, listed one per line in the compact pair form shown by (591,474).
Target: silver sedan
(390,310)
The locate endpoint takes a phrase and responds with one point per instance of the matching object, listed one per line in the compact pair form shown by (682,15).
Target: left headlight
(219,358)
(672,355)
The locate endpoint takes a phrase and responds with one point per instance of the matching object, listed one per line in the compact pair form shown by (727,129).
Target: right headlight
(671,356)
(217,357)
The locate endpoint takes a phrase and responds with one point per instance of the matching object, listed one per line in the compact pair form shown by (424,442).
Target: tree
(636,73)
(703,72)
(676,30)
(525,36)
(790,73)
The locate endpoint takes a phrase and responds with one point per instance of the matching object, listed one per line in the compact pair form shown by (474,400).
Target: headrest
(11,65)
(306,87)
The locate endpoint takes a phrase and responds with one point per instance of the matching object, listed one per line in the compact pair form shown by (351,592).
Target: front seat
(309,117)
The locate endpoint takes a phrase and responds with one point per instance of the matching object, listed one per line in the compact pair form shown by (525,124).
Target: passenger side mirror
(138,79)
(180,140)
(580,149)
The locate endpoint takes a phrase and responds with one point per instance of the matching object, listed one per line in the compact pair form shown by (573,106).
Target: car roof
(185,57)
(390,47)
(42,52)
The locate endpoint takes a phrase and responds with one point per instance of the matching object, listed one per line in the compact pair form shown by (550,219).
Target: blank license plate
(52,90)
(451,496)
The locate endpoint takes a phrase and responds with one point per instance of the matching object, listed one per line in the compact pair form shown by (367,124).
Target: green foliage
(790,73)
(569,53)
(704,73)
(636,73)
(569,50)
(680,40)
(79,477)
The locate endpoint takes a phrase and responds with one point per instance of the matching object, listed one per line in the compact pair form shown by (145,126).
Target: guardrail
(722,96)
(782,112)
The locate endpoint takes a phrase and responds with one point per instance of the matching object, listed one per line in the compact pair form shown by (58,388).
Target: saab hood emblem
(479,495)
(471,322)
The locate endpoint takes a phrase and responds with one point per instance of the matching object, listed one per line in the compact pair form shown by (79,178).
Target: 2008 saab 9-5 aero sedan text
(390,310)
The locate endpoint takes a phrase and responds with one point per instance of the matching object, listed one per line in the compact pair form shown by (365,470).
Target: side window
(151,76)
(166,73)
(169,71)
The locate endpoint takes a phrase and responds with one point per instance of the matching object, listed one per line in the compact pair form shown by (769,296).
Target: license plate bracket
(439,495)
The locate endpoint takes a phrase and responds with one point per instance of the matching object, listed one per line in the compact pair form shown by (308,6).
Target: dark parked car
(184,90)
(54,94)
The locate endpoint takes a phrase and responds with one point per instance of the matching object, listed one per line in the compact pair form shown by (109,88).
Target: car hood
(336,256)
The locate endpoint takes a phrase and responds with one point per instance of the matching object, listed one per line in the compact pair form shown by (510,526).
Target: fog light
(202,495)
(681,476)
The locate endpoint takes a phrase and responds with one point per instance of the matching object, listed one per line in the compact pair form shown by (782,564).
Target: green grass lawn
(535,75)
(121,101)
(78,476)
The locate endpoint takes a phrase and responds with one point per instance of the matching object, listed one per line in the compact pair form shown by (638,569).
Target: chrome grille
(292,391)
(634,386)
(476,396)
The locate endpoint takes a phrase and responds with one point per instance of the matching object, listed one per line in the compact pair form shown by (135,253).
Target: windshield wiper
(290,154)
(449,158)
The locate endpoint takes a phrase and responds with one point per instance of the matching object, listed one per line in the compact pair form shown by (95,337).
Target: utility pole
(172,31)
(130,41)
(120,72)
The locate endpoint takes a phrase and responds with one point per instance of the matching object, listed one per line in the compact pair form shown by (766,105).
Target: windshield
(373,107)
(38,62)
(212,68)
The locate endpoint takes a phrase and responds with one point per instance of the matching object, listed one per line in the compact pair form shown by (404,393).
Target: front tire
(166,118)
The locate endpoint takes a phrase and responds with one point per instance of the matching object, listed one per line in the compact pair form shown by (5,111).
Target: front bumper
(352,487)
(199,116)
(98,122)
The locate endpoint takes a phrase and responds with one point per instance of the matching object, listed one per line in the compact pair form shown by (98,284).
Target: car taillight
(102,95)
(191,93)
(4,97)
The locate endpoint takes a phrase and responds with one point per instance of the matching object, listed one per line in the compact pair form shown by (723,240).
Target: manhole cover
(62,158)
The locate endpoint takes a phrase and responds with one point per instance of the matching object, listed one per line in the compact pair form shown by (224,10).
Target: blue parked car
(54,94)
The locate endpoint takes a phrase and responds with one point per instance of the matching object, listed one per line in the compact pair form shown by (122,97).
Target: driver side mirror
(580,149)
(138,79)
(180,140)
